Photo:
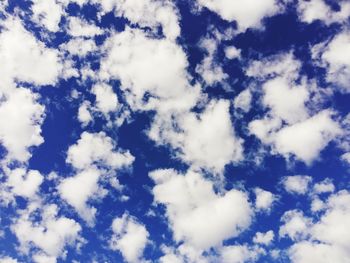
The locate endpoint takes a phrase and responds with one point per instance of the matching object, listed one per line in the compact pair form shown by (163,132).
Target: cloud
(243,100)
(50,235)
(205,140)
(247,14)
(296,184)
(21,118)
(239,254)
(334,56)
(92,156)
(78,27)
(48,13)
(327,238)
(142,66)
(129,237)
(97,148)
(106,99)
(310,11)
(264,238)
(24,58)
(197,215)
(264,199)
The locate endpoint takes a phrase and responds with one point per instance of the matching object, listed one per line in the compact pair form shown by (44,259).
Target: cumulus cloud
(334,56)
(47,13)
(247,14)
(129,237)
(106,99)
(264,238)
(264,199)
(207,140)
(310,11)
(197,215)
(327,238)
(50,235)
(92,157)
(296,184)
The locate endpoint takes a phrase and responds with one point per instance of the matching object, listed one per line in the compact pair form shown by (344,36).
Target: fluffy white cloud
(285,102)
(310,11)
(264,199)
(91,149)
(151,13)
(97,148)
(79,46)
(239,254)
(243,100)
(106,99)
(84,115)
(48,13)
(298,184)
(129,237)
(209,69)
(327,239)
(308,138)
(50,235)
(197,215)
(24,183)
(87,183)
(326,186)
(232,52)
(78,27)
(264,238)
(207,140)
(247,14)
(20,118)
(304,140)
(335,57)
(295,226)
(142,66)
(24,58)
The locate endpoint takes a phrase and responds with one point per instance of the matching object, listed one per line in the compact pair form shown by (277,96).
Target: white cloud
(50,235)
(106,99)
(247,14)
(21,118)
(78,27)
(87,183)
(24,183)
(84,115)
(327,239)
(197,215)
(232,52)
(90,150)
(296,184)
(295,226)
(243,100)
(335,57)
(264,199)
(142,66)
(151,13)
(285,102)
(129,237)
(239,254)
(206,140)
(8,260)
(346,157)
(264,238)
(93,148)
(79,46)
(308,138)
(310,11)
(25,58)
(48,13)
(326,186)
(211,71)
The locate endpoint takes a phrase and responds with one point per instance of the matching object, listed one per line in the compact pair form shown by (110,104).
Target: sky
(174,131)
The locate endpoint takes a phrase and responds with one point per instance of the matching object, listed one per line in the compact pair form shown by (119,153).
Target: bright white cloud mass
(174,131)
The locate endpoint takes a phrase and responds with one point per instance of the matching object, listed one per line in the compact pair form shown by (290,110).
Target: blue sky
(174,131)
